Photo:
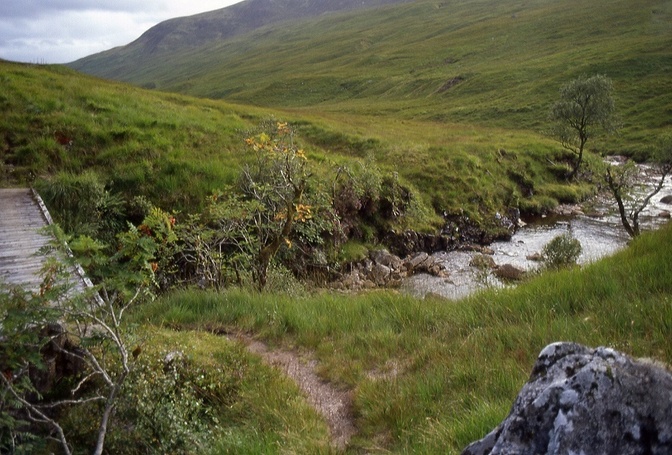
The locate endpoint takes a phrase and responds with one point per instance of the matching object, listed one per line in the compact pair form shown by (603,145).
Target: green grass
(426,376)
(138,142)
(394,62)
(429,376)
(250,422)
(176,150)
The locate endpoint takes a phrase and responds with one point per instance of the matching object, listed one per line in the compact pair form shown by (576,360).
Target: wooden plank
(22,217)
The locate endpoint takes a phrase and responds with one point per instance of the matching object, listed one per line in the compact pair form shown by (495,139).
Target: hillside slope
(192,32)
(177,149)
(488,62)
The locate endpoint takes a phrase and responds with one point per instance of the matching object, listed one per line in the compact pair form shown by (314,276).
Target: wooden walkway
(22,217)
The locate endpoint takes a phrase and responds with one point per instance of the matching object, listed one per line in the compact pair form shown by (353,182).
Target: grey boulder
(583,401)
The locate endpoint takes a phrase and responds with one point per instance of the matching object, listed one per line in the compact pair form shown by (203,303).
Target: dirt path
(334,405)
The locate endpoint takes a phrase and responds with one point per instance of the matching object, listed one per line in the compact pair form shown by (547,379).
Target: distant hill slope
(190,32)
(489,62)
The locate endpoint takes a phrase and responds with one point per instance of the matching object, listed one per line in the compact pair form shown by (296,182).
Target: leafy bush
(561,252)
(169,404)
(163,408)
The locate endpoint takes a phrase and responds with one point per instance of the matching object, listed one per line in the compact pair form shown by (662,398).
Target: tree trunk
(267,252)
(632,232)
(615,189)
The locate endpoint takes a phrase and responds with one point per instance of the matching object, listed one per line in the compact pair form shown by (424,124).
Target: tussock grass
(432,375)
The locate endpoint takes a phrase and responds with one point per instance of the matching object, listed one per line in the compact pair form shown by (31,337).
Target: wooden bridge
(23,216)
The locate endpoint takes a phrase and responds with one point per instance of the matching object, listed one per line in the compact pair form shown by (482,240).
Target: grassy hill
(452,97)
(185,33)
(176,149)
(486,62)
(56,120)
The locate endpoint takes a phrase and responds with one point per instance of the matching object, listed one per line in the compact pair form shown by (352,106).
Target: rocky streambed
(454,269)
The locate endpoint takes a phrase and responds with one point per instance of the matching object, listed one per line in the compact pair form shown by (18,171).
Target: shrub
(82,205)
(169,404)
(561,252)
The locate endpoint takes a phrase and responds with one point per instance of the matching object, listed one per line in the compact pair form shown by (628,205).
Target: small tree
(631,195)
(276,181)
(274,210)
(585,105)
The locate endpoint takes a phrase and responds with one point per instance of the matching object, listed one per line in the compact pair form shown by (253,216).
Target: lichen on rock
(583,400)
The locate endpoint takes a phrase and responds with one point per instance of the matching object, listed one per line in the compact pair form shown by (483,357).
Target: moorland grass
(429,376)
(170,148)
(506,62)
(176,150)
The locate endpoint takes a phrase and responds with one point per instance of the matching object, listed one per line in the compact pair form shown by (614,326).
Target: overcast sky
(61,31)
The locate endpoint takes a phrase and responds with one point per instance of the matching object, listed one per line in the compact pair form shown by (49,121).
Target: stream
(601,234)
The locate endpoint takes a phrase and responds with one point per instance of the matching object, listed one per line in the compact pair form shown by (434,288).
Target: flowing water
(600,235)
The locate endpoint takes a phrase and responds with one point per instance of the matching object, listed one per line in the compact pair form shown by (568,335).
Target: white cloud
(61,31)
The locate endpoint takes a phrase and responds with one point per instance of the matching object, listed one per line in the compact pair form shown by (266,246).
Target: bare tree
(632,197)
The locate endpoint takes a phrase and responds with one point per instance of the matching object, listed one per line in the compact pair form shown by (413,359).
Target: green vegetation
(175,151)
(585,104)
(488,63)
(388,120)
(431,376)
(561,252)
(135,142)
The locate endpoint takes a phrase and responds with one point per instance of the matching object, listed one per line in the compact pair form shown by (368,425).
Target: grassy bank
(176,150)
(138,142)
(429,376)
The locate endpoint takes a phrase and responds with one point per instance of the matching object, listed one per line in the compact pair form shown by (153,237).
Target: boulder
(384,269)
(414,261)
(387,259)
(423,263)
(482,262)
(666,199)
(580,400)
(380,274)
(509,272)
(536,257)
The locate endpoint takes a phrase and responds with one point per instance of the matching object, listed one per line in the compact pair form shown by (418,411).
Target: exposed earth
(333,404)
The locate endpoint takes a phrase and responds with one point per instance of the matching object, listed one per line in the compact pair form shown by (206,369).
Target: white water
(600,236)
